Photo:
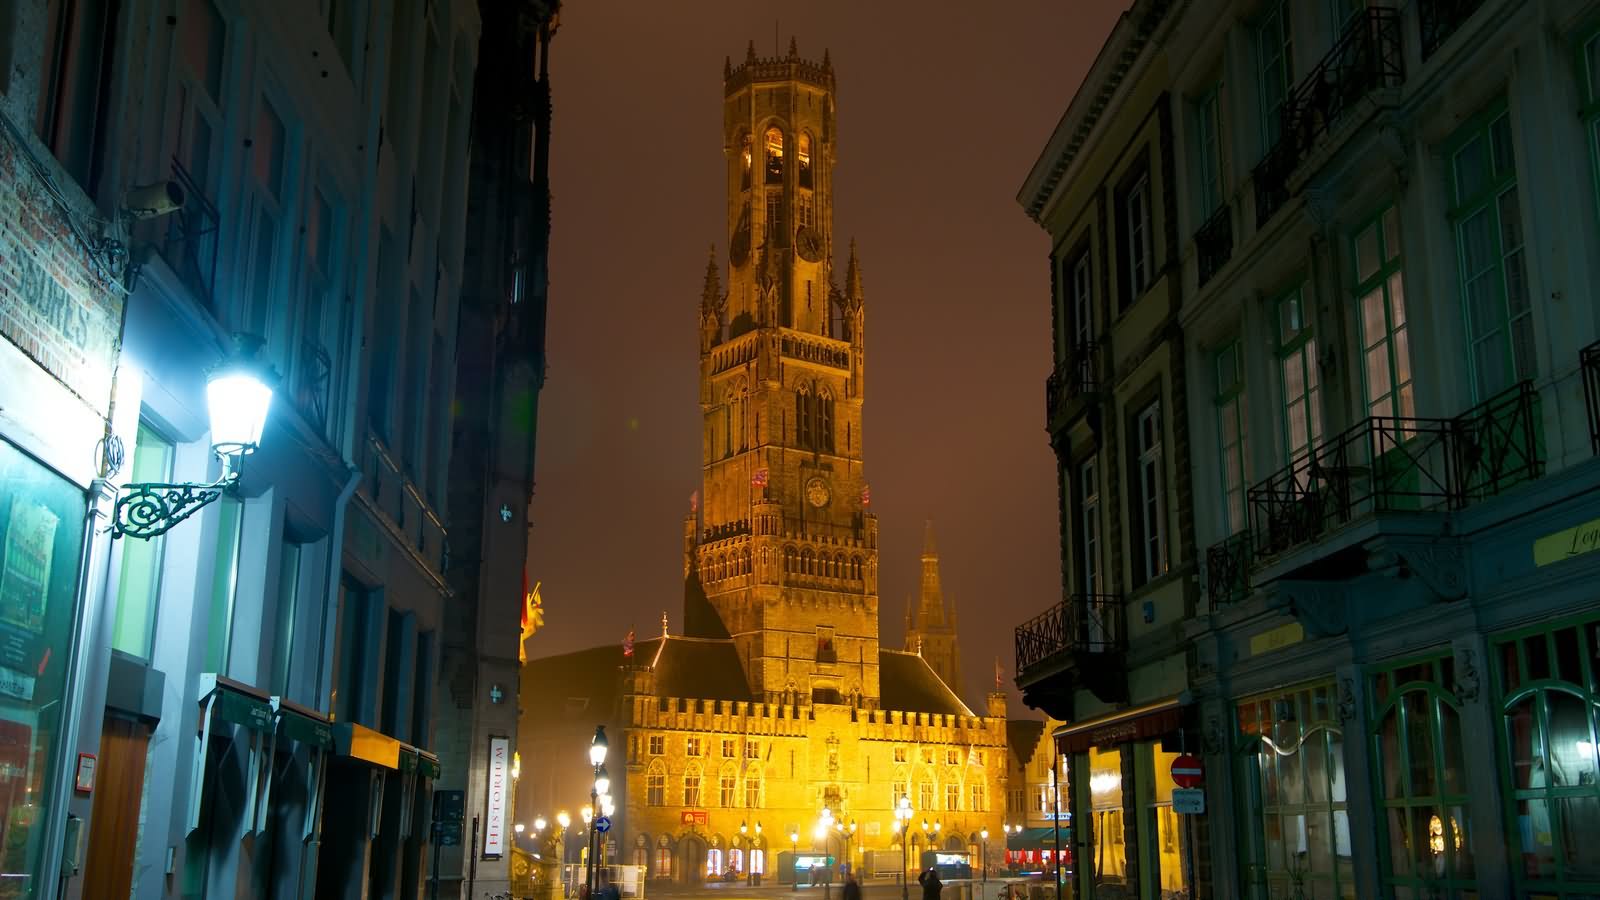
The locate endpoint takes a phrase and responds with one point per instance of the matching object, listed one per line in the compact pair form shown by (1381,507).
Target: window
(313,382)
(202,36)
(224,583)
(658,744)
(897,790)
(714,863)
(826,652)
(691,785)
(925,795)
(655,784)
(692,746)
(1589,69)
(752,750)
(1133,211)
(952,757)
(776,233)
(1546,679)
(1105,801)
(357,665)
(729,748)
(1150,470)
(900,754)
(74,85)
(139,586)
(283,635)
(1381,318)
(952,797)
(1487,216)
(1081,284)
(1089,526)
(728,788)
(745,159)
(774,167)
(736,859)
(758,861)
(927,755)
(1275,68)
(752,788)
(1416,740)
(41,528)
(663,862)
(1297,367)
(1231,459)
(803,157)
(1296,792)
(1207,114)
(268,148)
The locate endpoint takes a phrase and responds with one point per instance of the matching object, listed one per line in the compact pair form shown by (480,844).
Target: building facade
(245,704)
(777,702)
(1390,669)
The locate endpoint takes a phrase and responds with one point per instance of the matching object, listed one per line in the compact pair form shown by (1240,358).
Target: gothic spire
(852,276)
(827,64)
(929,546)
(711,294)
(750,52)
(794,49)
(727,67)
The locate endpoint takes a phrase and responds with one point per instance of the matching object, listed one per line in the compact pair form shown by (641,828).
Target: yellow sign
(374,747)
(1276,638)
(1575,541)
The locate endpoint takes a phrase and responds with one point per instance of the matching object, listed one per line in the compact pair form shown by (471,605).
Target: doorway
(114,816)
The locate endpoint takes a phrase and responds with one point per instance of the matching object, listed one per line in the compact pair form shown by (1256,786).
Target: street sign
(450,834)
(1187,772)
(602,824)
(450,806)
(1188,801)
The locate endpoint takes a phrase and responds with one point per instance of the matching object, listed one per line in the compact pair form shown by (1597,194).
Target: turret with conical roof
(933,631)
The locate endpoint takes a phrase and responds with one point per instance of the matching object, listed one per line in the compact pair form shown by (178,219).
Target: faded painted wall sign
(1567,543)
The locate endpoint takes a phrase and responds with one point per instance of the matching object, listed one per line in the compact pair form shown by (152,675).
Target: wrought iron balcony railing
(1081,623)
(1440,18)
(190,247)
(1367,56)
(1590,360)
(1228,569)
(315,378)
(1213,243)
(1073,377)
(1387,464)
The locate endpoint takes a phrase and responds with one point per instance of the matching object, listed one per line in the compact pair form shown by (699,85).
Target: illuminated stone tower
(785,548)
(932,632)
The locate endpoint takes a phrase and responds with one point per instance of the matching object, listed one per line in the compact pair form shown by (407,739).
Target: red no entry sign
(1187,771)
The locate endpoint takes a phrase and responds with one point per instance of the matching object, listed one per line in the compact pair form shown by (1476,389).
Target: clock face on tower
(817,493)
(808,243)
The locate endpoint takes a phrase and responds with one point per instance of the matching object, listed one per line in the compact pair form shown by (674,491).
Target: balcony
(1367,57)
(1440,18)
(1228,569)
(1589,359)
(190,245)
(1083,636)
(1074,377)
(1394,465)
(1213,243)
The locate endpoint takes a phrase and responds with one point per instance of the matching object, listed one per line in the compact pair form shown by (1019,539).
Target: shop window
(1548,690)
(139,584)
(1171,853)
(41,531)
(736,859)
(1105,800)
(1294,793)
(1424,830)
(713,863)
(758,861)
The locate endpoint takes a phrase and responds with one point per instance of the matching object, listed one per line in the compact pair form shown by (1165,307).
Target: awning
(1141,723)
(303,725)
(360,742)
(1039,838)
(234,702)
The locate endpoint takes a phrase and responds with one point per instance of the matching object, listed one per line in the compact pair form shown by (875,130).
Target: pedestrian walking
(852,888)
(931,885)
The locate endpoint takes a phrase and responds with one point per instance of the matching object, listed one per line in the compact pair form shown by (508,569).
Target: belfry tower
(785,547)
(932,632)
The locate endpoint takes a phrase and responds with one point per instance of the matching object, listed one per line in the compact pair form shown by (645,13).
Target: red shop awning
(1140,723)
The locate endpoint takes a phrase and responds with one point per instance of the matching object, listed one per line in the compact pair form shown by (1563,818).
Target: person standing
(931,885)
(852,888)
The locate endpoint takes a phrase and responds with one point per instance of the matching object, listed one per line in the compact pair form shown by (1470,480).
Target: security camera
(153,200)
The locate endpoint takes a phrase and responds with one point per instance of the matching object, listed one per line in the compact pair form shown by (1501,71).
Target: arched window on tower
(746,158)
(802,416)
(803,157)
(730,417)
(691,785)
(825,420)
(808,562)
(774,156)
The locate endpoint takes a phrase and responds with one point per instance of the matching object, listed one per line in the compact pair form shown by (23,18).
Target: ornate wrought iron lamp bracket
(151,509)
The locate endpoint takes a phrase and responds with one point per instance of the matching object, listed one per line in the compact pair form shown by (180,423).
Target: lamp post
(565,821)
(602,785)
(744,834)
(238,395)
(985,835)
(794,851)
(756,872)
(902,826)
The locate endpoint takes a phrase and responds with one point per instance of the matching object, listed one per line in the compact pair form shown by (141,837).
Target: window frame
(149,554)
(1150,491)
(1232,393)
(1135,221)
(1211,183)
(1395,341)
(1087,489)
(1279,66)
(1298,348)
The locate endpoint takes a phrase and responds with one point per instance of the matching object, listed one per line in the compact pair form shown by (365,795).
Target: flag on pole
(627,644)
(694,502)
(760,478)
(866,495)
(532,617)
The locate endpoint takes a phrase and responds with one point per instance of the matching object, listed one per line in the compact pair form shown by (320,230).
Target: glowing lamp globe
(563,819)
(602,781)
(597,747)
(238,396)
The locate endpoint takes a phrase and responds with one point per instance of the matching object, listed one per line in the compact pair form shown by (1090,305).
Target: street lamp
(902,826)
(538,824)
(238,395)
(565,821)
(985,835)
(794,851)
(602,785)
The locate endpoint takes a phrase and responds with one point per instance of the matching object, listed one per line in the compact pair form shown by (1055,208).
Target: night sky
(940,117)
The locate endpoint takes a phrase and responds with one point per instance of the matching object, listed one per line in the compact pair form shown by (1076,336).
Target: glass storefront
(1424,827)
(1295,826)
(1110,859)
(1547,688)
(41,536)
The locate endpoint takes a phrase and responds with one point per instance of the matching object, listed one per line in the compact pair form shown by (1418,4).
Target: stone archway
(691,859)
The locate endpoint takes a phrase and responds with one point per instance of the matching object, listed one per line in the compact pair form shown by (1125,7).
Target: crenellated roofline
(756,69)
